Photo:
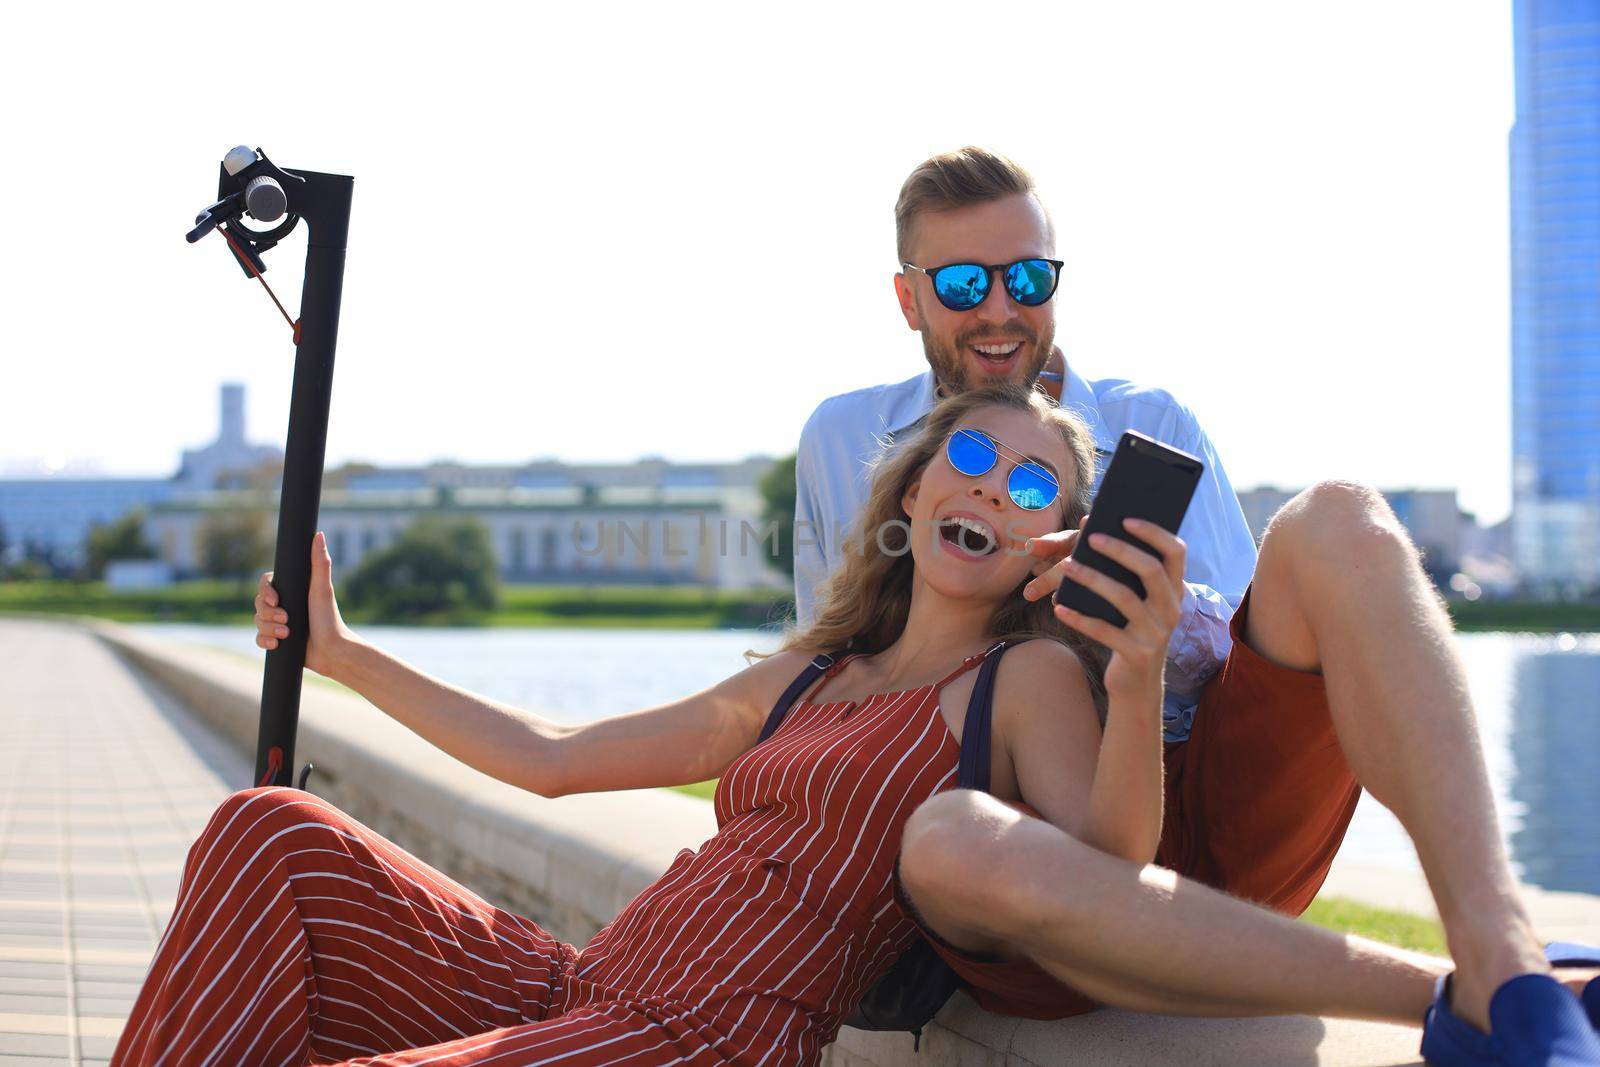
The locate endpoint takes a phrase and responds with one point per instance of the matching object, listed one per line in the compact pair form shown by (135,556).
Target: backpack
(918,983)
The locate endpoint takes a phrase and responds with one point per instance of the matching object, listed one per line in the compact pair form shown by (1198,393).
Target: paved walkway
(105,782)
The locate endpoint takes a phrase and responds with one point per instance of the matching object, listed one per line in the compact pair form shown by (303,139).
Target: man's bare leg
(1339,589)
(1141,938)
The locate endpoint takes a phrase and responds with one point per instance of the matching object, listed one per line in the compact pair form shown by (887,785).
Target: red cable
(274,762)
(294,324)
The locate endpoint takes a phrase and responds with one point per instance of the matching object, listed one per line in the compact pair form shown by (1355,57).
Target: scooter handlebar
(217,213)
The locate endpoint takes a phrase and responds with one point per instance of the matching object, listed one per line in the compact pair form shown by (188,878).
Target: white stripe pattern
(299,932)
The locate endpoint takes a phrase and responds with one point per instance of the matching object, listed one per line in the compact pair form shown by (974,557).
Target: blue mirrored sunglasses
(963,286)
(975,453)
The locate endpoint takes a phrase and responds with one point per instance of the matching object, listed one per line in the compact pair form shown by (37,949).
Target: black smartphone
(1146,480)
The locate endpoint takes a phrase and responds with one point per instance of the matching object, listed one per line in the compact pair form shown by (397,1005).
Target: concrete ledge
(573,862)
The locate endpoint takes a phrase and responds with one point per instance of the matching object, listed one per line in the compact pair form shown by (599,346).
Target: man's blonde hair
(959,179)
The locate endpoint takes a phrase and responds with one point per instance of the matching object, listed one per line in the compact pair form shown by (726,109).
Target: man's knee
(1321,536)
(931,849)
(959,872)
(1335,525)
(1322,550)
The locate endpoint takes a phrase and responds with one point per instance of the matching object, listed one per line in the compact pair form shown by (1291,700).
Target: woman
(298,932)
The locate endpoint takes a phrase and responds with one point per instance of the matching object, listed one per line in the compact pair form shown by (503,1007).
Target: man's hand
(1050,553)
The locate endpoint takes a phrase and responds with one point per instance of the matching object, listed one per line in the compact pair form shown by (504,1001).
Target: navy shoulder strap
(812,672)
(976,733)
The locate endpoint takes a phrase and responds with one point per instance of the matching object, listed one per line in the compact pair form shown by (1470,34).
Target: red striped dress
(300,935)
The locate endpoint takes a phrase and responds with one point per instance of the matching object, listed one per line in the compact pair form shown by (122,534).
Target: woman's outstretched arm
(688,740)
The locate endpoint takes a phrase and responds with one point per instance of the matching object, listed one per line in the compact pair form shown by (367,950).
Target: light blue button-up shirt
(832,481)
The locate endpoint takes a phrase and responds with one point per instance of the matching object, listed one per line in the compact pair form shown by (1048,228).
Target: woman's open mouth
(966,538)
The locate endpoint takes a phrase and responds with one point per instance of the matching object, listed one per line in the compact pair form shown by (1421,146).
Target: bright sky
(597,232)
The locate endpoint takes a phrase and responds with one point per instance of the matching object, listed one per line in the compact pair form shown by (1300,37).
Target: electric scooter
(251,186)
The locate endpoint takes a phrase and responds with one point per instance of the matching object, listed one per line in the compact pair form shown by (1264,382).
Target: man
(1294,680)
(1003,339)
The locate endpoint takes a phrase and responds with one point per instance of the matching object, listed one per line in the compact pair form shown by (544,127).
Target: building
(230,461)
(1436,523)
(50,518)
(650,522)
(1555,271)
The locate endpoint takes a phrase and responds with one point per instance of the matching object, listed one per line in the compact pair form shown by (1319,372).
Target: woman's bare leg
(1137,937)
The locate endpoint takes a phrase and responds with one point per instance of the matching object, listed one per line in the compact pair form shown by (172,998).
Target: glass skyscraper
(1555,252)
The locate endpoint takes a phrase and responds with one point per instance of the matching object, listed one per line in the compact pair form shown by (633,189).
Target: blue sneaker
(1536,1020)
(1572,954)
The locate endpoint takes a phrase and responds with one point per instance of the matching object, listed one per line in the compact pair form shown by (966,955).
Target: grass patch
(202,602)
(1529,616)
(704,790)
(232,603)
(1401,928)
(611,606)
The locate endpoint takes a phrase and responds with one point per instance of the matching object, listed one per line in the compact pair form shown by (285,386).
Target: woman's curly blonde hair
(864,604)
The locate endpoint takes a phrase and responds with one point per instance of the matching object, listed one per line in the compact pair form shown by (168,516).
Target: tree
(777,495)
(41,561)
(439,568)
(7,571)
(235,544)
(122,539)
(31,569)
(266,476)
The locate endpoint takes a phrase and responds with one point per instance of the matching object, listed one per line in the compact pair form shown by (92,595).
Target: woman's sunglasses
(975,453)
(963,286)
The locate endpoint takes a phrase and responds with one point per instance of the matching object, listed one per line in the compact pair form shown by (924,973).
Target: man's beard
(950,362)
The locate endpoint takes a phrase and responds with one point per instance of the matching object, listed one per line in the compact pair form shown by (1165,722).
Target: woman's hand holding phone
(1139,649)
(1126,799)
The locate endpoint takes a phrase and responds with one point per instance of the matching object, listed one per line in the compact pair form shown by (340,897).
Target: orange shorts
(1257,801)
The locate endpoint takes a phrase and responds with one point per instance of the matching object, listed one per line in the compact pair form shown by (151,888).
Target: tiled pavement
(104,783)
